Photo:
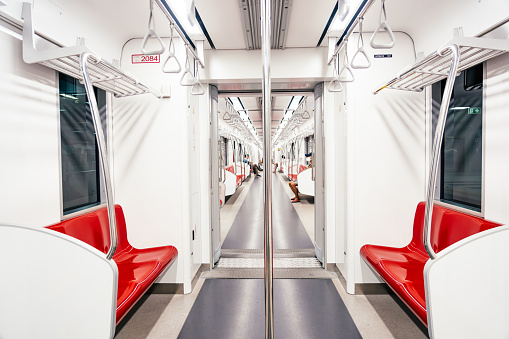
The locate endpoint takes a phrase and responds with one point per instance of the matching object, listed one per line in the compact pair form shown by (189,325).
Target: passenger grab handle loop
(197,88)
(171,56)
(335,85)
(187,78)
(151,33)
(346,74)
(383,26)
(360,51)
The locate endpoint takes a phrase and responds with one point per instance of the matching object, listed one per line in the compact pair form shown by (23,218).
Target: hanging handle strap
(305,114)
(335,85)
(151,33)
(360,51)
(187,78)
(197,88)
(346,74)
(383,26)
(171,56)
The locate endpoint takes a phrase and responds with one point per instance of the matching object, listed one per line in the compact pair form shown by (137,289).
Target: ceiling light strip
(190,46)
(361,11)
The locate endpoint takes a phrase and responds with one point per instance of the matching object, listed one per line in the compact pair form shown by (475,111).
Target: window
(460,178)
(80,160)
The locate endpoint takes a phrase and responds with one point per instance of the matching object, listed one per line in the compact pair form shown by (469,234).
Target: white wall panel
(329,124)
(497,140)
(340,167)
(388,155)
(151,162)
(203,236)
(29,140)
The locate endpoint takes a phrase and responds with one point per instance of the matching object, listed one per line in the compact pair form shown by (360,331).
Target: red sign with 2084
(145,59)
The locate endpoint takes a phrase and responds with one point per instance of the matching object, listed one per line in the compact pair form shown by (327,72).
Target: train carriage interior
(254,169)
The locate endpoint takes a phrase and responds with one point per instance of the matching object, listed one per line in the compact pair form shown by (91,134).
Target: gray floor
(247,229)
(303,308)
(234,308)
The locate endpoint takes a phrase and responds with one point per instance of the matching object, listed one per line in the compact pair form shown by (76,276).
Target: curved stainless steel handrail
(437,145)
(101,145)
(265,9)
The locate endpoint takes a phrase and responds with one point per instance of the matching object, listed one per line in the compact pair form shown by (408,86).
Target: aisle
(303,308)
(247,229)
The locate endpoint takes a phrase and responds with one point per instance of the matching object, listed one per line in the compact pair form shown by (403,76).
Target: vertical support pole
(318,160)
(101,145)
(267,173)
(215,172)
(437,146)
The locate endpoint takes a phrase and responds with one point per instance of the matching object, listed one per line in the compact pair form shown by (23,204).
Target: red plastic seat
(402,268)
(137,268)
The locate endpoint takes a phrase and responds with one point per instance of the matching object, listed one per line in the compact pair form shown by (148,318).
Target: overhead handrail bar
(335,85)
(437,145)
(171,55)
(187,71)
(197,88)
(346,68)
(101,145)
(360,51)
(180,31)
(67,60)
(362,10)
(152,33)
(383,25)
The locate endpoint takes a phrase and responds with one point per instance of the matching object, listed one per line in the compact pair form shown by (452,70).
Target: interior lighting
(288,115)
(457,108)
(179,9)
(340,25)
(237,104)
(294,103)
(68,96)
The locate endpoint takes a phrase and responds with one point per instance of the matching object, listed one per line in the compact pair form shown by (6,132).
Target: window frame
(85,208)
(438,184)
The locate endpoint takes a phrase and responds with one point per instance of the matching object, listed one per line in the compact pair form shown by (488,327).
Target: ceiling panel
(223,22)
(307,22)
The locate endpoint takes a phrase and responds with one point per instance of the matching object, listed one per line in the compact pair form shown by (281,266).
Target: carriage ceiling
(253,106)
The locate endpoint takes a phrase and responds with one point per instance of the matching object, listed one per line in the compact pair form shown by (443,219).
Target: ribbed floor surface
(279,273)
(277,263)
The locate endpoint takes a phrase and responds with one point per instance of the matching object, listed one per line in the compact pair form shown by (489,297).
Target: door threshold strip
(279,273)
(257,253)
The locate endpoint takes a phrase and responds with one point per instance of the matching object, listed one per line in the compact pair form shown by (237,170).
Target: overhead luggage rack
(435,67)
(67,60)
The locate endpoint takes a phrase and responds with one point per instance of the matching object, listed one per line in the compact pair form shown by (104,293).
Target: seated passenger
(257,168)
(293,184)
(246,160)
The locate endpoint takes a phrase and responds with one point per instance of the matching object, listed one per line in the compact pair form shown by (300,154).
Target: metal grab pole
(101,145)
(437,146)
(265,6)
